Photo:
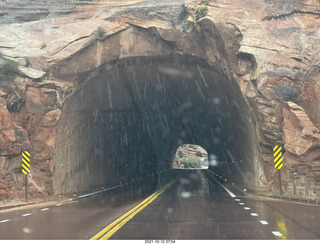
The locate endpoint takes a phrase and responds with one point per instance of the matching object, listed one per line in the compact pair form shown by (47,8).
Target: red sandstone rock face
(13,139)
(39,101)
(283,39)
(301,138)
(32,128)
(302,144)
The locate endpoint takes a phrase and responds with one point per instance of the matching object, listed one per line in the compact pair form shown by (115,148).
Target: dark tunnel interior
(127,119)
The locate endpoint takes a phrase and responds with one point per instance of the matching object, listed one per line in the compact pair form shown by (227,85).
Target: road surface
(194,206)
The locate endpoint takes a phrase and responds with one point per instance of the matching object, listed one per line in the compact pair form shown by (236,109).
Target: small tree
(180,154)
(8,70)
(100,33)
(201,12)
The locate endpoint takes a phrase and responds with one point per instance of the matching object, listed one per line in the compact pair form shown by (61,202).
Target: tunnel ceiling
(129,119)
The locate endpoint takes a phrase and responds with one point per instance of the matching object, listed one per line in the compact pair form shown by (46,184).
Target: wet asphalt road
(195,207)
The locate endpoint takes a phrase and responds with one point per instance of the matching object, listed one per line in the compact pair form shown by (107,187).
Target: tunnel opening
(129,116)
(190,156)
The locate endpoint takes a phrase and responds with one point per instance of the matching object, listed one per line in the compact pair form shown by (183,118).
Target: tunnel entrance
(128,117)
(190,156)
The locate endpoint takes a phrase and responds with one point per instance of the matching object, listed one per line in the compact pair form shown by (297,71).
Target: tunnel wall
(97,143)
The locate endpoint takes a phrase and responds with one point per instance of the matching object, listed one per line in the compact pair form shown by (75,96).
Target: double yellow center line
(107,232)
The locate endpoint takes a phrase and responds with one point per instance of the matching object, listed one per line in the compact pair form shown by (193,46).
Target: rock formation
(302,144)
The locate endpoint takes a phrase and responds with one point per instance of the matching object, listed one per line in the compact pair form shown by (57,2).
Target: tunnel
(127,122)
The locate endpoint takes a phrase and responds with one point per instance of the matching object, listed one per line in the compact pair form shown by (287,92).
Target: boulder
(22,61)
(40,100)
(6,124)
(14,101)
(51,118)
(301,138)
(32,73)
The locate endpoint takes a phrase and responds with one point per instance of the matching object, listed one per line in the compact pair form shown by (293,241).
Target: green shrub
(100,33)
(201,12)
(180,154)
(5,200)
(8,70)
(237,34)
(192,146)
(276,192)
(43,45)
(190,163)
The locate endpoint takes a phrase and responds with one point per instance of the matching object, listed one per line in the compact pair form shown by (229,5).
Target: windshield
(161,121)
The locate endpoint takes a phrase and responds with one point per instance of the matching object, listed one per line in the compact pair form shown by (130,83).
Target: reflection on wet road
(196,206)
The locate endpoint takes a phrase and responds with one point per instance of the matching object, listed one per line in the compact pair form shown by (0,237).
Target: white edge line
(277,233)
(5,220)
(107,189)
(229,192)
(263,222)
(89,194)
(96,192)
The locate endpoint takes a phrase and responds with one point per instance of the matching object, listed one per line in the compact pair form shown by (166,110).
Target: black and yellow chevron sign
(26,162)
(277,154)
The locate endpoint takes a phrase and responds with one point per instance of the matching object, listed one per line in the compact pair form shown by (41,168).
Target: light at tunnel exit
(191,156)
